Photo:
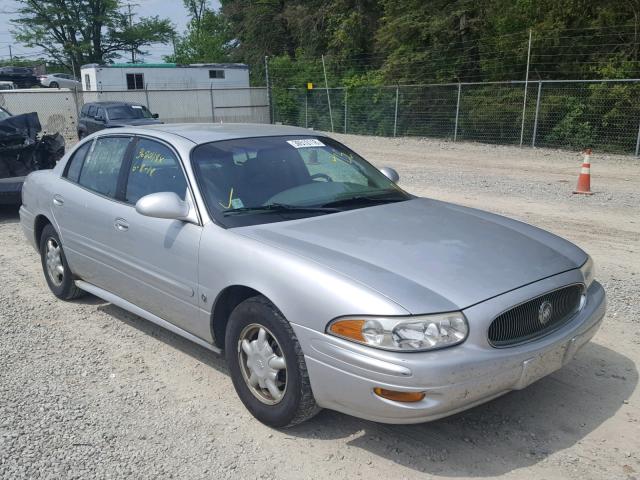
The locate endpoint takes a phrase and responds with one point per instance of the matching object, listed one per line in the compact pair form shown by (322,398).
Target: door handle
(58,201)
(121,224)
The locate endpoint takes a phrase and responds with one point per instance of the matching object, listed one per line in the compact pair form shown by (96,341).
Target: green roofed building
(163,76)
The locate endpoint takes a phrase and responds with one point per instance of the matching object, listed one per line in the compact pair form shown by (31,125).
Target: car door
(89,120)
(158,258)
(100,119)
(84,206)
(63,81)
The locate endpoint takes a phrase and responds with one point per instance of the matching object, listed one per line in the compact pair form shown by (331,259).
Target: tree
(206,39)
(75,32)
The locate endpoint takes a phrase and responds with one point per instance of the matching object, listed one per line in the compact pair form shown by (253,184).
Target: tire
(54,85)
(81,135)
(60,281)
(297,403)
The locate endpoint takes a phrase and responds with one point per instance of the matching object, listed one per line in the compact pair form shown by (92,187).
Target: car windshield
(128,112)
(267,179)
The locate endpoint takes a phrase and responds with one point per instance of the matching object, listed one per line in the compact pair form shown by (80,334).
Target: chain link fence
(600,114)
(58,109)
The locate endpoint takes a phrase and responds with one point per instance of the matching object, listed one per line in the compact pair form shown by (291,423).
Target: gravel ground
(91,391)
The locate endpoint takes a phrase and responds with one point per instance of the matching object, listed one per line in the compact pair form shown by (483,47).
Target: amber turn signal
(351,329)
(407,397)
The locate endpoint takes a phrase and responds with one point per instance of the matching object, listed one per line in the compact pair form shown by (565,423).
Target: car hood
(426,255)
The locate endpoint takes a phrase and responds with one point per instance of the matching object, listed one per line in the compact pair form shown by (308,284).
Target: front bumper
(344,374)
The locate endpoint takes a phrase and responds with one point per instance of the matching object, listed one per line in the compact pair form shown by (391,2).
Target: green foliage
(75,32)
(573,129)
(206,40)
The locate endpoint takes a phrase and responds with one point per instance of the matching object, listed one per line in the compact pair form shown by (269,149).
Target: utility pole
(133,50)
(10,54)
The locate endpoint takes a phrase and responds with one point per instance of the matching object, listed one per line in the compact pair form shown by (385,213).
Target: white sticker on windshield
(137,106)
(305,143)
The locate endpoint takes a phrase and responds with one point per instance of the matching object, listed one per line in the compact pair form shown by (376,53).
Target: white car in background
(6,85)
(58,80)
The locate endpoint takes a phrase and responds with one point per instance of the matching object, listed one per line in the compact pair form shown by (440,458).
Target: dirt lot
(90,391)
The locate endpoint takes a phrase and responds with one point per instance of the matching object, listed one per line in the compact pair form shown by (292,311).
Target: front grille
(531,319)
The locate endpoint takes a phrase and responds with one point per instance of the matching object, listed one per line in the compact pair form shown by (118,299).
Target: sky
(172,9)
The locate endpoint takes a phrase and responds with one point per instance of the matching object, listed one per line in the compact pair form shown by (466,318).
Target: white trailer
(163,76)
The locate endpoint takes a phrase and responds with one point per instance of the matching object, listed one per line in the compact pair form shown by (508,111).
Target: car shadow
(515,431)
(9,214)
(203,355)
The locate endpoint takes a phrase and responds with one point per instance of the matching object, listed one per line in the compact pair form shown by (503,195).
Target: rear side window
(75,164)
(154,168)
(102,165)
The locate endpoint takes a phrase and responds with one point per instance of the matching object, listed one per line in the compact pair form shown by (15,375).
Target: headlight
(588,271)
(406,334)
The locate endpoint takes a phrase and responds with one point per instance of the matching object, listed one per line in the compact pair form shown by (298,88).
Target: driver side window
(325,163)
(154,168)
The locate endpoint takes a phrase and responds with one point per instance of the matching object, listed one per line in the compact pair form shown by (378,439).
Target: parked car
(96,116)
(325,283)
(60,80)
(4,85)
(23,150)
(23,77)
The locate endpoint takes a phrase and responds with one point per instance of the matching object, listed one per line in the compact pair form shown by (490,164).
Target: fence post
(526,86)
(326,86)
(345,109)
(213,106)
(638,142)
(269,96)
(306,109)
(76,101)
(395,117)
(535,120)
(146,94)
(455,129)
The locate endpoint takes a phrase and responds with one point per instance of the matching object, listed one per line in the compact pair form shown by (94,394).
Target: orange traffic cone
(584,180)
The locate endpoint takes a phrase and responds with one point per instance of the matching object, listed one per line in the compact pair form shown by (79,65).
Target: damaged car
(22,151)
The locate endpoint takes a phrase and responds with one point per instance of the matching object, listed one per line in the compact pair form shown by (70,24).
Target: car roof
(212,132)
(111,103)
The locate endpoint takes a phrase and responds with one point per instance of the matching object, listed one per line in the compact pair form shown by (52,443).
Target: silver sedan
(326,284)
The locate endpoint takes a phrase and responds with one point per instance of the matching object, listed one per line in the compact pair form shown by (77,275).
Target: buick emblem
(544,312)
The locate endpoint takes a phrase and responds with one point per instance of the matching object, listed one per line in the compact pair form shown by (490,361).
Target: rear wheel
(54,85)
(267,365)
(55,267)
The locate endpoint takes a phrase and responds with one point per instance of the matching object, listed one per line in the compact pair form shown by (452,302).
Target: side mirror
(99,118)
(155,115)
(163,205)
(390,173)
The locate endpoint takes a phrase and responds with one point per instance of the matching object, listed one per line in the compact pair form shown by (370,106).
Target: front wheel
(55,267)
(267,365)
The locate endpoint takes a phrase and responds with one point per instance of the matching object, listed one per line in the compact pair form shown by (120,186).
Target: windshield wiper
(364,199)
(279,207)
